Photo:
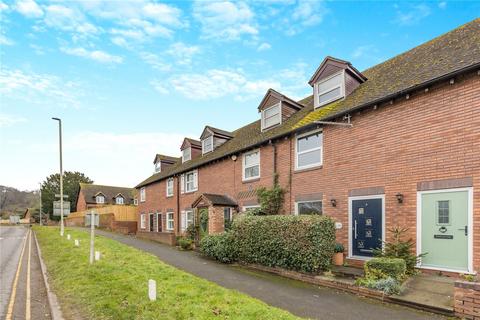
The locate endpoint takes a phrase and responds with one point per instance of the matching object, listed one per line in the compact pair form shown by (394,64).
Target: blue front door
(366,226)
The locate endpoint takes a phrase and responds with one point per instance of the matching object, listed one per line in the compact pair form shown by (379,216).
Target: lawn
(116,286)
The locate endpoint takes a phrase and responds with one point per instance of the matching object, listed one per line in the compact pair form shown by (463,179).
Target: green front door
(445,230)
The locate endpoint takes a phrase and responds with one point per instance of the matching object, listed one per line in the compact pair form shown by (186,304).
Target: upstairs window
(330,89)
(207,145)
(100,199)
(170,187)
(309,150)
(251,165)
(271,116)
(187,154)
(189,181)
(119,200)
(142,195)
(158,166)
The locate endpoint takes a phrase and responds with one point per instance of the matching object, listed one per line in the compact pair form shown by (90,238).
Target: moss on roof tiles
(448,53)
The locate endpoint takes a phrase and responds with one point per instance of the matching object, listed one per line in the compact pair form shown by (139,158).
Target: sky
(130,79)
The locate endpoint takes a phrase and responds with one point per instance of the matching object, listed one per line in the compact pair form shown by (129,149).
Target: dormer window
(158,166)
(207,144)
(186,154)
(271,116)
(100,199)
(119,200)
(331,88)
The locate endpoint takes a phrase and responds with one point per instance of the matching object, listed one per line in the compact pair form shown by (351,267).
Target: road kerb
(52,297)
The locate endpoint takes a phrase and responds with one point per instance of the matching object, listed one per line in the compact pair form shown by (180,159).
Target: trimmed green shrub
(271,200)
(301,243)
(219,246)
(398,247)
(391,267)
(388,285)
(339,248)
(185,243)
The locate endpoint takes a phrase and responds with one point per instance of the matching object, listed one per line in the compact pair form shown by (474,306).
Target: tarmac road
(22,291)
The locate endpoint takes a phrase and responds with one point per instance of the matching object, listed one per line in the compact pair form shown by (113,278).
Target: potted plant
(338,255)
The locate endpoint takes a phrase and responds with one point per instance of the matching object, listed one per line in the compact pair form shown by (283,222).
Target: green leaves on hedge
(301,243)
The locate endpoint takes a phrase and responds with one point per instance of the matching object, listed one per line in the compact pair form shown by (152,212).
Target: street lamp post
(40,213)
(61,174)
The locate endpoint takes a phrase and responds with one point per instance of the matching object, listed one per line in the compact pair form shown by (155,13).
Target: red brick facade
(433,135)
(467,300)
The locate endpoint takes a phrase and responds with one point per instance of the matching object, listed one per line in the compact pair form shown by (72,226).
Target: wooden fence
(120,212)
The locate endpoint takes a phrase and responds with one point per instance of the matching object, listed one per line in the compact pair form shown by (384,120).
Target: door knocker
(442,229)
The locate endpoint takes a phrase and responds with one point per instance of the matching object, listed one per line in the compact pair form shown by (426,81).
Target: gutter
(336,115)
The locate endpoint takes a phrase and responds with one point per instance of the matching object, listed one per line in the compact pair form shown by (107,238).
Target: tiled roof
(90,190)
(166,158)
(452,52)
(219,131)
(220,200)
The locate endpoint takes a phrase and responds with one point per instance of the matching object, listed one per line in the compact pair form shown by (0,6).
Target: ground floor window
(143,219)
(159,222)
(187,219)
(227,218)
(170,221)
(308,207)
(252,207)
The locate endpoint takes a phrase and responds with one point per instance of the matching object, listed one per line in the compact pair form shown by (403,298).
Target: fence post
(92,235)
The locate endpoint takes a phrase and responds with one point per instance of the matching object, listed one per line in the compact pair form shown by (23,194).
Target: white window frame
(119,202)
(184,157)
(143,194)
(279,115)
(341,86)
(97,198)
(185,221)
(158,166)
(169,189)
(246,208)
(244,167)
(210,138)
(306,201)
(142,221)
(135,202)
(194,182)
(168,220)
(313,165)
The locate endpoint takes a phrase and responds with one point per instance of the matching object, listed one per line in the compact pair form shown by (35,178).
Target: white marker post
(97,255)
(92,236)
(152,290)
(77,243)
(68,236)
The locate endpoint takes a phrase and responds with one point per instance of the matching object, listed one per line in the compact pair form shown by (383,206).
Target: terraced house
(397,144)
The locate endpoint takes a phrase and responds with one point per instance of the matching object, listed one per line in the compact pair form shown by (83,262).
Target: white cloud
(362,51)
(264,46)
(3,6)
(5,41)
(442,5)
(29,8)
(306,14)
(69,19)
(159,86)
(218,83)
(10,120)
(97,55)
(414,15)
(36,88)
(155,61)
(182,53)
(163,13)
(225,20)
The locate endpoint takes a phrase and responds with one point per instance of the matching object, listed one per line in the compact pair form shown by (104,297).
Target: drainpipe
(275,178)
(290,175)
(177,225)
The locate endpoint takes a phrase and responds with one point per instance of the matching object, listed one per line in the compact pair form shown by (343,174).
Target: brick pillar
(467,300)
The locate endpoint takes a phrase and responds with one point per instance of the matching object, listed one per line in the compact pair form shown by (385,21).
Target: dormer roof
(209,130)
(119,195)
(278,96)
(330,65)
(165,159)
(189,142)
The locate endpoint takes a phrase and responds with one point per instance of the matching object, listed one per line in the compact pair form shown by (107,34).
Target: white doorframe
(469,227)
(350,201)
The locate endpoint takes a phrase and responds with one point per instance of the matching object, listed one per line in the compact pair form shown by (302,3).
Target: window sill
(171,196)
(251,180)
(308,169)
(189,192)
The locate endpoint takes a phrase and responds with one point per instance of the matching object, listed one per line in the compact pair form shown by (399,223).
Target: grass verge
(116,286)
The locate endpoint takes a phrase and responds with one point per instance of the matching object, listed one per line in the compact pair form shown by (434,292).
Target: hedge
(391,267)
(219,247)
(301,243)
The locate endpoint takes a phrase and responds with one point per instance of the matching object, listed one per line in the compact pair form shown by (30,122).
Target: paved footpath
(299,298)
(22,290)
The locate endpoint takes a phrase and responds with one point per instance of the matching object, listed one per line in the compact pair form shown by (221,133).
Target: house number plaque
(442,236)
